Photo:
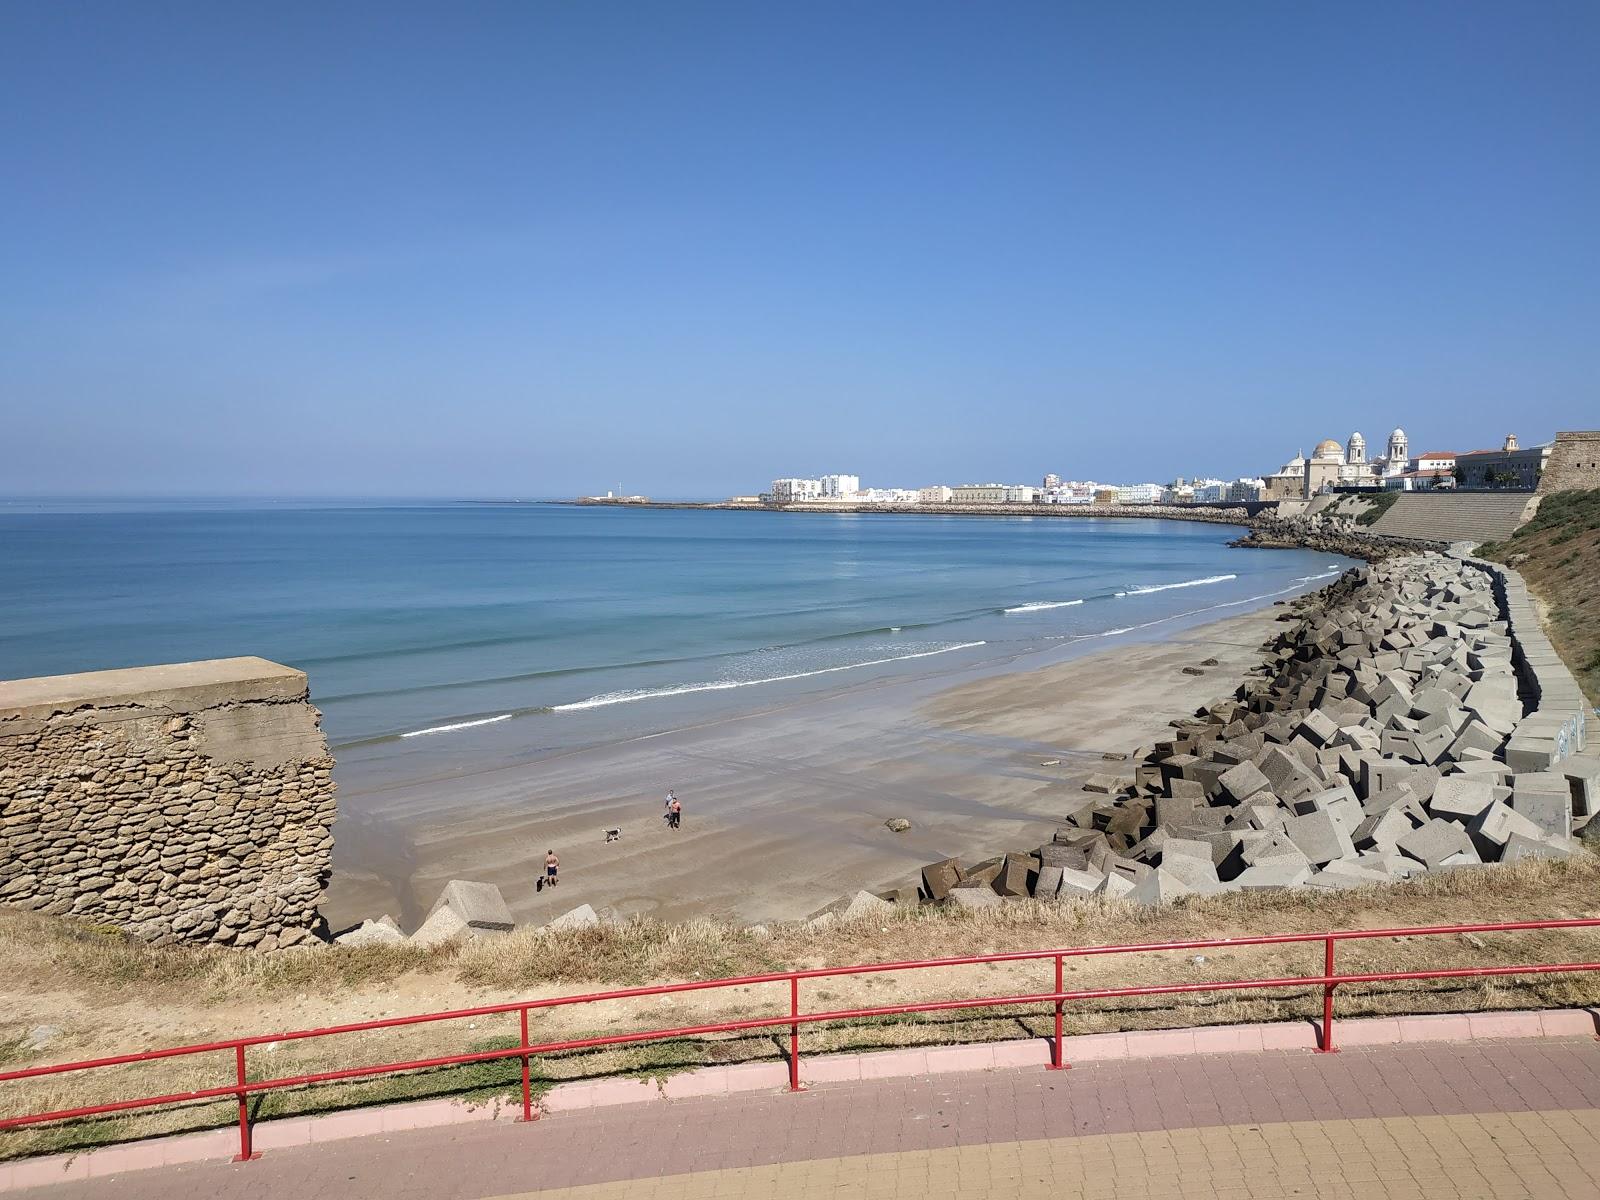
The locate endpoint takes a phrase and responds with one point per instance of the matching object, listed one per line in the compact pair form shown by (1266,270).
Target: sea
(566,626)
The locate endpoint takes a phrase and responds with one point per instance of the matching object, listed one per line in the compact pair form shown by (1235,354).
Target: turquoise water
(417,623)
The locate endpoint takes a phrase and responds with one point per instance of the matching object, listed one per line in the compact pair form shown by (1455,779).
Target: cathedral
(1331,465)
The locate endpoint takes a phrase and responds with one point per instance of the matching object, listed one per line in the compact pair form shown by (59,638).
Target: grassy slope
(1558,553)
(110,994)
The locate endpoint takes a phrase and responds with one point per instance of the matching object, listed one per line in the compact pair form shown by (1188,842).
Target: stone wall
(1574,462)
(189,802)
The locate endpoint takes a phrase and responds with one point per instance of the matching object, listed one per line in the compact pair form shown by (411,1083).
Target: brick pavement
(1440,1119)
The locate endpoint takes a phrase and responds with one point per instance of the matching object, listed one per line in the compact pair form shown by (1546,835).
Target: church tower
(1399,452)
(1356,450)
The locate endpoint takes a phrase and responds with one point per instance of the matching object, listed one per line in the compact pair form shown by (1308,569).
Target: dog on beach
(613,835)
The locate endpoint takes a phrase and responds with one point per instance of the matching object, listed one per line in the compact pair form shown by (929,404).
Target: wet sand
(784,809)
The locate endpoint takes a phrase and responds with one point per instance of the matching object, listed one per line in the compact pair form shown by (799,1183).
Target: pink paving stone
(1160,1043)
(1094,1047)
(604,1093)
(758,1077)
(360,1123)
(890,1064)
(707,1081)
(1291,1035)
(113,1160)
(277,1135)
(832,1068)
(1444,1027)
(58,1168)
(1031,1053)
(960,1058)
(198,1147)
(432,1113)
(1505,1025)
(1227,1039)
(1568,1022)
(1369,1031)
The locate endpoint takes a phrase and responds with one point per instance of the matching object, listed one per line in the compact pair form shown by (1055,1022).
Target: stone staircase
(1455,516)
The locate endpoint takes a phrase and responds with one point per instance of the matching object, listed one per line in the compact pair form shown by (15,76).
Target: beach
(784,808)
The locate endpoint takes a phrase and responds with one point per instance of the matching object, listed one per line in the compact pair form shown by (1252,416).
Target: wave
(1041,605)
(457,725)
(683,689)
(1167,587)
(1319,575)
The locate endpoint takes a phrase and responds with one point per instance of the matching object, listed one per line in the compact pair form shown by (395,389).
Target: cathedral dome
(1326,449)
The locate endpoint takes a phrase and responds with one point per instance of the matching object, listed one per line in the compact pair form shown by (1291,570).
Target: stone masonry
(190,802)
(1574,462)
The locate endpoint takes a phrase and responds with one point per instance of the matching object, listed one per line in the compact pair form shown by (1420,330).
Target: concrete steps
(1455,516)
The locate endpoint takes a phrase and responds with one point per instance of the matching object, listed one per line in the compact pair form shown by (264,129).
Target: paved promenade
(1490,1119)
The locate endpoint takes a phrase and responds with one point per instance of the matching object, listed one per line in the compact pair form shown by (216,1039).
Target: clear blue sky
(538,249)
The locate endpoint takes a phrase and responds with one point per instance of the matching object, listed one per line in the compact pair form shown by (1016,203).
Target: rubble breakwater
(1408,718)
(1327,533)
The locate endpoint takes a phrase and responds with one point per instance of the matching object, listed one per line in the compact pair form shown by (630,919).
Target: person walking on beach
(674,813)
(666,808)
(552,864)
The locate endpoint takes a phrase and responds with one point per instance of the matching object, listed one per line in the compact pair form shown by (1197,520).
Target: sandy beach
(784,808)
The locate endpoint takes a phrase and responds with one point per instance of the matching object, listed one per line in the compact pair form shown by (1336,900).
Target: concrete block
(1434,842)
(1109,785)
(1382,831)
(1289,777)
(1196,875)
(1242,782)
(1084,883)
(584,916)
(1176,847)
(444,925)
(862,904)
(480,905)
(938,878)
(1317,729)
(1518,848)
(1461,797)
(1493,827)
(1174,810)
(1550,810)
(1048,883)
(1320,837)
(974,897)
(1582,772)
(1013,877)
(1273,874)
(370,933)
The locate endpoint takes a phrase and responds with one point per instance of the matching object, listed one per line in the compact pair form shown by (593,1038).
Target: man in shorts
(552,864)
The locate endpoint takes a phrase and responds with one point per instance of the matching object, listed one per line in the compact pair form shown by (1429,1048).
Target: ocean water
(563,626)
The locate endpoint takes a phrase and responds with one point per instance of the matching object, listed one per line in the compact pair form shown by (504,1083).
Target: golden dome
(1327,448)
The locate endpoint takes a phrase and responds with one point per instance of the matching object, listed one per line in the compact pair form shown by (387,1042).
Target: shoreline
(785,807)
(1241,513)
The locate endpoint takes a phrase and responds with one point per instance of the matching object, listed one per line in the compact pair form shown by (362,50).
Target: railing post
(1055,1047)
(245,1153)
(527,1079)
(794,1033)
(1327,1046)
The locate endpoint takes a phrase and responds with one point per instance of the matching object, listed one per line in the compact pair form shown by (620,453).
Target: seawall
(189,802)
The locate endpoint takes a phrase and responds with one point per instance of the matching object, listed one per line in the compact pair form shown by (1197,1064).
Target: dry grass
(1558,553)
(193,992)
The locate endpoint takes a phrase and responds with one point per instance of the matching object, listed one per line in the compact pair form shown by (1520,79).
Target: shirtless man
(552,864)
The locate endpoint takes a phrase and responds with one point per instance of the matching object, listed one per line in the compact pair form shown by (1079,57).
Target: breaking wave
(1167,587)
(684,689)
(456,726)
(1040,606)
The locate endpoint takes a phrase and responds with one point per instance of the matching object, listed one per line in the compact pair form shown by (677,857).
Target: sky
(547,249)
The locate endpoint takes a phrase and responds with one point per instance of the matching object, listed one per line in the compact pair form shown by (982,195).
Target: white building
(1139,493)
(1052,481)
(840,487)
(993,493)
(790,491)
(938,494)
(1178,493)
(1244,489)
(885,496)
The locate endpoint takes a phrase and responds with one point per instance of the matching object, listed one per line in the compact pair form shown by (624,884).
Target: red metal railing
(243,1088)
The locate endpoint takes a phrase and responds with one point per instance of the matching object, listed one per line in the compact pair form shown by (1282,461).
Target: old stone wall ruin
(190,802)
(1574,462)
